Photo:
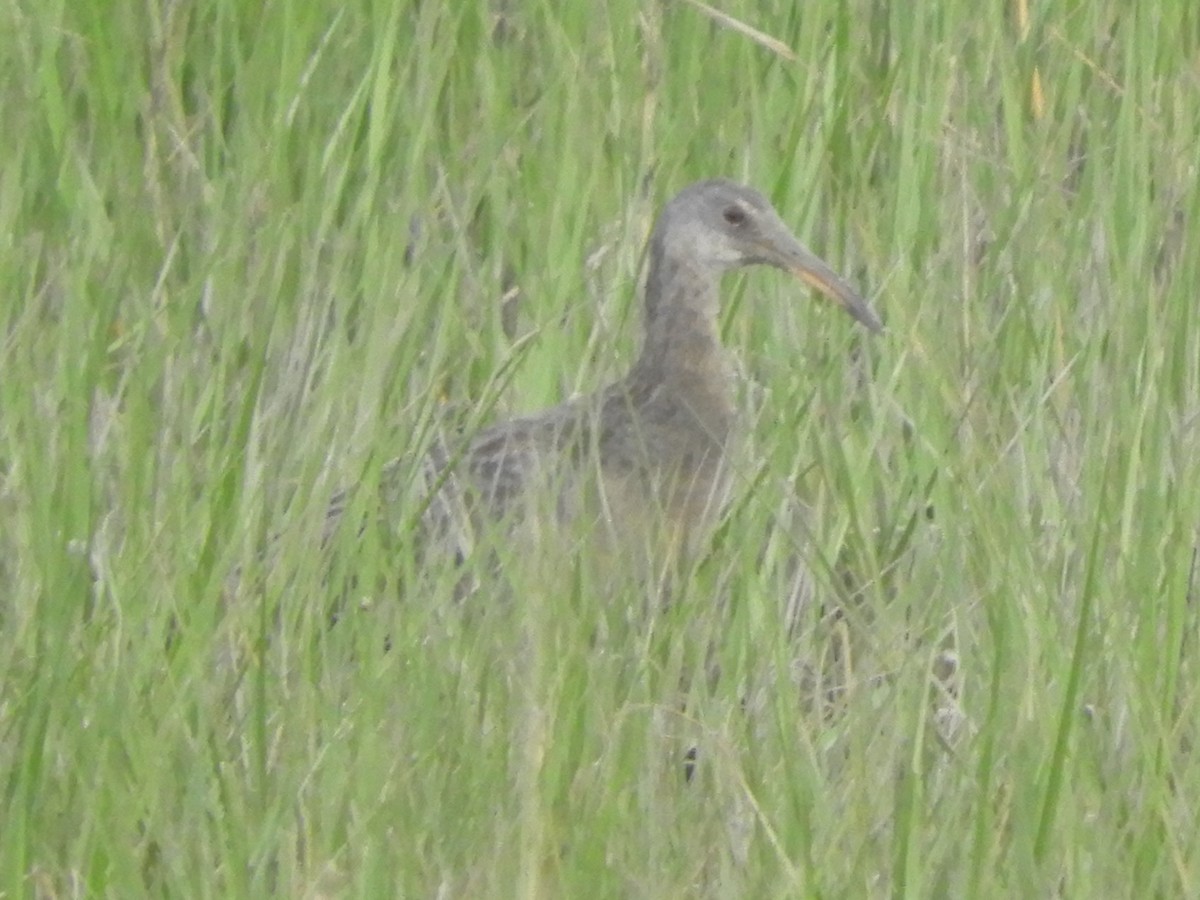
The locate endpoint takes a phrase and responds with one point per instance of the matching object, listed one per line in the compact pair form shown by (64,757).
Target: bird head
(721,225)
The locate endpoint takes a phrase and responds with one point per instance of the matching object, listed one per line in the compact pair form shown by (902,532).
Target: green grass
(250,252)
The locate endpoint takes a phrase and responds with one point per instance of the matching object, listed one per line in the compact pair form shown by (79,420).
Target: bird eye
(734,215)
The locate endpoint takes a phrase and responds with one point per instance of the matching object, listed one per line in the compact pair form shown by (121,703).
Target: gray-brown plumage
(646,457)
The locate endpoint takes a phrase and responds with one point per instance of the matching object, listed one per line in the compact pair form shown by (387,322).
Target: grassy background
(249,252)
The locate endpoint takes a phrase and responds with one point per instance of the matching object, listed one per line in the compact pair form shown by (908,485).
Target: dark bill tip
(821,277)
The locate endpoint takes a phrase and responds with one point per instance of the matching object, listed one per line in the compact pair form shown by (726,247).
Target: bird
(646,462)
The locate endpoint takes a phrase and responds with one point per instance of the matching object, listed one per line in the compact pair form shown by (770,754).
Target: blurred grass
(251,253)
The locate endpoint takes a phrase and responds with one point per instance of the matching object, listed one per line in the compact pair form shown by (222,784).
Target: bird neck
(681,307)
(677,281)
(681,340)
(682,350)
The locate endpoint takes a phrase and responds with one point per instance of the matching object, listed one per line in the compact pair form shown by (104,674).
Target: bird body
(648,458)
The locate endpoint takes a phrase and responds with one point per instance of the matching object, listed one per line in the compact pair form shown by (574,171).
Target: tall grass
(251,252)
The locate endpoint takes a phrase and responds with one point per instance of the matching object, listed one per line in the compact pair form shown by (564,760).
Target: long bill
(818,275)
(812,270)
